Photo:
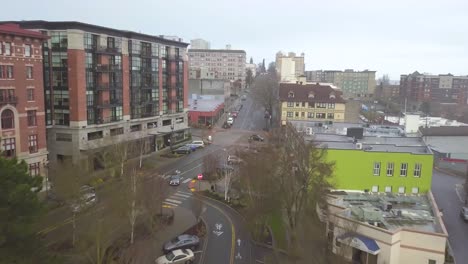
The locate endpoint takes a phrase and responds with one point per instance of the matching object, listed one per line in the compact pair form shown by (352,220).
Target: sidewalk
(146,250)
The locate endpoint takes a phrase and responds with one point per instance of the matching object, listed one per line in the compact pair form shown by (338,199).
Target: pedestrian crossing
(166,177)
(176,199)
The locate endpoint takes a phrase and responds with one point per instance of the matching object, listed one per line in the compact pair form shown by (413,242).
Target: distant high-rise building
(290,66)
(352,83)
(442,88)
(227,64)
(199,44)
(22,114)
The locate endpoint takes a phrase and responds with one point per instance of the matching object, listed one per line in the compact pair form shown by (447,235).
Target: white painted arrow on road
(238,242)
(218,233)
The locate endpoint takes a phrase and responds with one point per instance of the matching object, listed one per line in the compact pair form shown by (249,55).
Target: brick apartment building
(104,86)
(442,88)
(22,122)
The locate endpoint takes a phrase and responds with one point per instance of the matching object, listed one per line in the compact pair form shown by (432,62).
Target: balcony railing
(108,119)
(107,50)
(146,53)
(107,67)
(109,86)
(8,100)
(109,103)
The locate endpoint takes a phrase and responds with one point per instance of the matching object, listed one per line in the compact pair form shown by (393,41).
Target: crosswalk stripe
(173,204)
(166,177)
(182,195)
(187,193)
(173,201)
(187,180)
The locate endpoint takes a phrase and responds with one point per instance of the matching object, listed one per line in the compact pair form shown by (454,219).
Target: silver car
(464,213)
(181,242)
(174,180)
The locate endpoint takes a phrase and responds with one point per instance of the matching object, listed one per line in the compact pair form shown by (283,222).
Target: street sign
(200,176)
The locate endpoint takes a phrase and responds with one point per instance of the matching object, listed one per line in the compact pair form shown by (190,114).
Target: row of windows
(311,115)
(403,169)
(8,72)
(388,189)
(311,105)
(7,50)
(8,119)
(9,146)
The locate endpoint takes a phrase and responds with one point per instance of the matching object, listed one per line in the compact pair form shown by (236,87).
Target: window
(290,104)
(27,50)
(330,116)
(29,72)
(310,115)
(32,139)
(9,147)
(302,114)
(320,115)
(289,114)
(95,135)
(401,189)
(291,95)
(321,105)
(331,105)
(9,72)
(2,71)
(116,131)
(63,137)
(296,114)
(311,95)
(431,261)
(404,169)
(8,121)
(388,189)
(30,92)
(375,188)
(35,169)
(377,168)
(32,120)
(303,104)
(414,190)
(7,49)
(297,104)
(417,169)
(390,167)
(311,105)
(135,128)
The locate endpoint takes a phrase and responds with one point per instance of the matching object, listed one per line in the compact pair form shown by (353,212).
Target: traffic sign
(200,176)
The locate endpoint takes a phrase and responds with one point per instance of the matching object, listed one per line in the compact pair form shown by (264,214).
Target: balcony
(107,67)
(13,100)
(109,86)
(148,86)
(146,53)
(109,103)
(107,50)
(108,119)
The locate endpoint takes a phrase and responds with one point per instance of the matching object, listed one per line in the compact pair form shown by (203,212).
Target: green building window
(404,169)
(377,168)
(417,169)
(390,167)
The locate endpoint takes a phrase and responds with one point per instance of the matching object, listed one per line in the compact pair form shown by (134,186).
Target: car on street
(181,242)
(256,138)
(230,121)
(231,159)
(174,180)
(183,150)
(244,97)
(197,144)
(177,256)
(86,200)
(464,213)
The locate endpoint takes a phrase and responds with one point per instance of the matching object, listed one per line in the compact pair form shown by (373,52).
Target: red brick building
(104,86)
(22,115)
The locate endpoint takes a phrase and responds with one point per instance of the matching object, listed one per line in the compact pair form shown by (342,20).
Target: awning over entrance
(360,242)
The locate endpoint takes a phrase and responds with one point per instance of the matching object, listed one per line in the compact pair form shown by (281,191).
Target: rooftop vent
(358,145)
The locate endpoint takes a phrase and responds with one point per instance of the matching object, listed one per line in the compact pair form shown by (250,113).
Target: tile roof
(301,93)
(15,29)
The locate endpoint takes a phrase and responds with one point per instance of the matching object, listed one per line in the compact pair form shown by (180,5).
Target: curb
(448,172)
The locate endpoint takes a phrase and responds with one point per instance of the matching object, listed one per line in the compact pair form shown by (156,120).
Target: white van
(230,121)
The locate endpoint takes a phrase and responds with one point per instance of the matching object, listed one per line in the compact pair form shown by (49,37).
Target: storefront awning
(360,242)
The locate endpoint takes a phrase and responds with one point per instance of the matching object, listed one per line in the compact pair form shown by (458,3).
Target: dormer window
(311,95)
(291,95)
(332,96)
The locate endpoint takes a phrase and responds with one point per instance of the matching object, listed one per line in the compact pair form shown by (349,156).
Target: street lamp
(172,134)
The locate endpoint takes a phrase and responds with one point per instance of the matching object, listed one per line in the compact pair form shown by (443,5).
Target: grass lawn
(277,227)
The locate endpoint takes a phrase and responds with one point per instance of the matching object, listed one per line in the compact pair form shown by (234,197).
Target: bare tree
(197,207)
(210,165)
(265,91)
(154,192)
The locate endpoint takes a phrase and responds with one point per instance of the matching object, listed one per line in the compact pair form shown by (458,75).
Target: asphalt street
(443,188)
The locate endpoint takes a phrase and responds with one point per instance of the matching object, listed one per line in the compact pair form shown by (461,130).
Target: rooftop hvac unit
(358,145)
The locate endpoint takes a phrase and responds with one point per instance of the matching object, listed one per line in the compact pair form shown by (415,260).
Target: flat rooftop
(205,105)
(389,211)
(414,145)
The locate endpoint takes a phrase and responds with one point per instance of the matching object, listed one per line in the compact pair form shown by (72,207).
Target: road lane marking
(187,193)
(196,167)
(173,201)
(187,180)
(173,204)
(168,206)
(182,195)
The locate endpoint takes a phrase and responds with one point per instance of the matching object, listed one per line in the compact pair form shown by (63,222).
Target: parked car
(177,256)
(183,150)
(256,138)
(181,242)
(174,180)
(197,144)
(85,201)
(230,121)
(192,147)
(233,160)
(464,213)
(244,97)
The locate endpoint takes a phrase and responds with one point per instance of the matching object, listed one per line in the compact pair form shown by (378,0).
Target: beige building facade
(289,66)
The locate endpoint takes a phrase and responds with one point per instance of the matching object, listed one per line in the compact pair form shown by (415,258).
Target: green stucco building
(379,164)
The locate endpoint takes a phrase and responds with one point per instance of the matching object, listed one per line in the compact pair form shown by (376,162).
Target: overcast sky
(392,36)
